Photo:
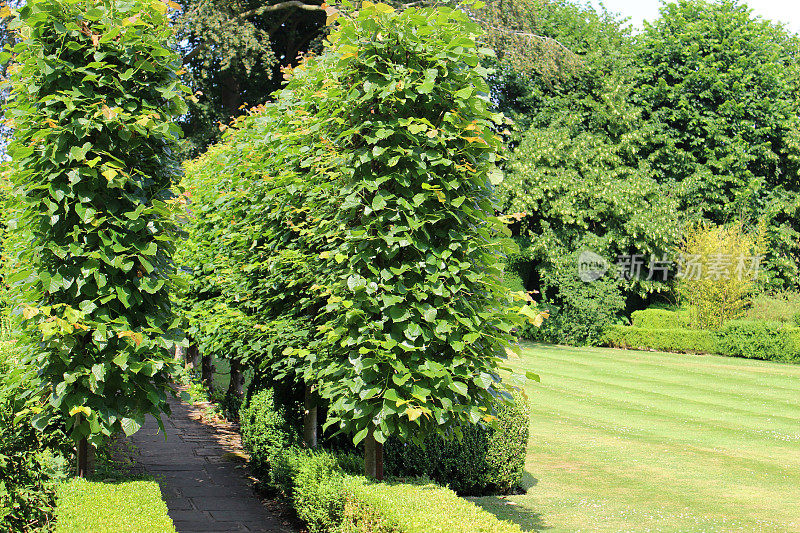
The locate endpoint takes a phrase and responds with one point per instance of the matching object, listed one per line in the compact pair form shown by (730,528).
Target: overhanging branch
(296,4)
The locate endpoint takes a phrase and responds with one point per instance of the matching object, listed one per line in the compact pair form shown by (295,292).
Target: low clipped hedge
(660,319)
(486,461)
(408,508)
(667,340)
(770,341)
(124,507)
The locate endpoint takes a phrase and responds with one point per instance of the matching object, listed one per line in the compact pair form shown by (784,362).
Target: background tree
(575,182)
(234,53)
(719,88)
(94,92)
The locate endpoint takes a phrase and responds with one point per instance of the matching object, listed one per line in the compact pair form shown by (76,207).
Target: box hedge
(771,341)
(99,507)
(761,339)
(668,340)
(486,461)
(660,319)
(413,508)
(265,431)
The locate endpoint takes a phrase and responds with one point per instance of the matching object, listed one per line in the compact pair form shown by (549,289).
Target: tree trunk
(207,372)
(85,458)
(193,355)
(182,354)
(373,457)
(310,419)
(236,387)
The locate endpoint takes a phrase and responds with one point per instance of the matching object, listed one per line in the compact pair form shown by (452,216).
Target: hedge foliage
(101,507)
(488,460)
(265,431)
(771,341)
(660,319)
(32,463)
(94,92)
(668,340)
(408,508)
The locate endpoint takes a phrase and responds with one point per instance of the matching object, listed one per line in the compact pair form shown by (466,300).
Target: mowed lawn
(641,441)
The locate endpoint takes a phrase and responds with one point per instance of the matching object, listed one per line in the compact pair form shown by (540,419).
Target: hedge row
(660,319)
(770,341)
(484,461)
(99,507)
(329,497)
(328,494)
(413,508)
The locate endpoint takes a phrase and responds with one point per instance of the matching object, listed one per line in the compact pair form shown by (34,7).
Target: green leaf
(130,426)
(459,388)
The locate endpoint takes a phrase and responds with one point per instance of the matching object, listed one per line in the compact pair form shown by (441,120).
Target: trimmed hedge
(406,508)
(667,340)
(660,319)
(485,461)
(768,340)
(126,507)
(771,341)
(265,432)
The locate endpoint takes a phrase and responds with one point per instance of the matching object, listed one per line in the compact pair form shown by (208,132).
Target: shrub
(31,462)
(667,340)
(770,341)
(265,431)
(660,319)
(407,508)
(317,492)
(579,312)
(782,307)
(715,277)
(99,507)
(485,461)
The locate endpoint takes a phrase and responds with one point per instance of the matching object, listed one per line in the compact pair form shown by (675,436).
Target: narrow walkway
(205,488)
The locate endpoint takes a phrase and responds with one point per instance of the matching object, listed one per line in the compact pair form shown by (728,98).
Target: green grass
(121,507)
(642,441)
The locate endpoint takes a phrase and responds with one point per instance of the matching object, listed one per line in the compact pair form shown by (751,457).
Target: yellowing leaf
(160,7)
(325,255)
(110,174)
(29,312)
(6,12)
(109,113)
(174,5)
(413,413)
(433,133)
(80,409)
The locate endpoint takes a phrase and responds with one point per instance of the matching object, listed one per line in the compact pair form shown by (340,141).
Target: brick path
(205,488)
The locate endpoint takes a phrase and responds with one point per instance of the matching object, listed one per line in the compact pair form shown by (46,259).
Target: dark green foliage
(486,461)
(666,340)
(234,56)
(771,341)
(719,90)
(579,312)
(660,319)
(94,92)
(265,432)
(31,463)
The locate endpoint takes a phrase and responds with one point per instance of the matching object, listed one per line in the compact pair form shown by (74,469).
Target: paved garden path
(205,488)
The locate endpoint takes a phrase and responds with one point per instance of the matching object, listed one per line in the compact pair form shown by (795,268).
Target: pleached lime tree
(94,91)
(417,319)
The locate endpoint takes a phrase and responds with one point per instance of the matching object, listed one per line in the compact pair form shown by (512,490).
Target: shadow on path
(205,491)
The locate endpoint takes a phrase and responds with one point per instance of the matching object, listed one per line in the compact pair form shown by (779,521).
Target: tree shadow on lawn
(504,509)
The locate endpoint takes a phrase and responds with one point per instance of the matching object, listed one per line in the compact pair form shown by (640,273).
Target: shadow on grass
(504,509)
